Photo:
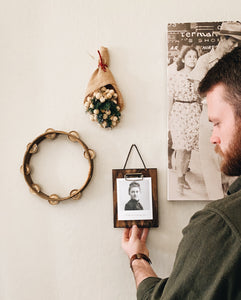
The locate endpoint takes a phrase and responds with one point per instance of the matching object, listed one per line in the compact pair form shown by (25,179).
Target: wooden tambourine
(32,148)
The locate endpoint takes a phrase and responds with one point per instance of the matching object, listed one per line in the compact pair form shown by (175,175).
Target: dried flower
(87,104)
(103,107)
(104,124)
(98,95)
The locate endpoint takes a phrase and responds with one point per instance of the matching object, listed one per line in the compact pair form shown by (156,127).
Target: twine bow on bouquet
(103,100)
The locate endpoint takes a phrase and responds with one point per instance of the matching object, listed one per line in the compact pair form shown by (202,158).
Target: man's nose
(215,139)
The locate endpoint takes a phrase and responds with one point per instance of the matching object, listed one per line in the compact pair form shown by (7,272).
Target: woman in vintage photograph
(134,192)
(185,113)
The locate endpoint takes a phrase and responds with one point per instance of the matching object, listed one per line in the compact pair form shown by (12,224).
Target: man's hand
(134,241)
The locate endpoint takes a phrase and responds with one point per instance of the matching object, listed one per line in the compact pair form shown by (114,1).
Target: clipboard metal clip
(133,176)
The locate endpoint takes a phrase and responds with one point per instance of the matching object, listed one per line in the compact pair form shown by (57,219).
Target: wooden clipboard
(135,197)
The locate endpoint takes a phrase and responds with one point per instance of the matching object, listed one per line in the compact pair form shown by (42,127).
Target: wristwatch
(139,256)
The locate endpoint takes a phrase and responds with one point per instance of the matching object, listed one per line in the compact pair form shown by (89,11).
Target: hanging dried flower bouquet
(103,107)
(103,100)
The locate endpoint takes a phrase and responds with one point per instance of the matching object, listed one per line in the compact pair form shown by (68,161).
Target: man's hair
(226,71)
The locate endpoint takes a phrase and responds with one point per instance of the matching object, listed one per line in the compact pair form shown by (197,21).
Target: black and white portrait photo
(134,199)
(193,165)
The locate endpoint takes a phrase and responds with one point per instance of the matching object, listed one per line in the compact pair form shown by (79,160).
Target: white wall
(71,251)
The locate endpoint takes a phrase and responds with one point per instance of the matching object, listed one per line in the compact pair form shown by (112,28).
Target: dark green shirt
(208,260)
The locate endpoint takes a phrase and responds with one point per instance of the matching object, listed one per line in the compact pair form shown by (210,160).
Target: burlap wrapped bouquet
(103,100)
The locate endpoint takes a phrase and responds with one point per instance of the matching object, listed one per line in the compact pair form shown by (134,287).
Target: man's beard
(231,159)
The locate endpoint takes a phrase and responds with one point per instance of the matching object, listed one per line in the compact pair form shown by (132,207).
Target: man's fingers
(126,235)
(135,231)
(144,234)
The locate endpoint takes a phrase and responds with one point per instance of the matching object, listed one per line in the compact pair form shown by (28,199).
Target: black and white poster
(193,165)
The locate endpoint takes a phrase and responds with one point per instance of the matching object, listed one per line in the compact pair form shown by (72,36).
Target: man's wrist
(139,256)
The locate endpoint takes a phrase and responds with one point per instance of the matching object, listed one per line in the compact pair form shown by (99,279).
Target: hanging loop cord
(101,64)
(133,145)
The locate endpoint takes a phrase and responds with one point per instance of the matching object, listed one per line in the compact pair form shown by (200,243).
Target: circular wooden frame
(32,148)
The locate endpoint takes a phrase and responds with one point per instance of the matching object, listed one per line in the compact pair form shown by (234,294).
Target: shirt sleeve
(150,286)
(200,70)
(208,258)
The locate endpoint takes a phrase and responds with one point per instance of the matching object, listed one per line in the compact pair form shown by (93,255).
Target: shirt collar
(235,186)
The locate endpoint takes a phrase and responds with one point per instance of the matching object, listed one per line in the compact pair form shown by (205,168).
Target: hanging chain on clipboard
(136,175)
(133,145)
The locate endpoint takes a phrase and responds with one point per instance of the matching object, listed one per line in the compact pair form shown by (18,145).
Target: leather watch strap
(139,256)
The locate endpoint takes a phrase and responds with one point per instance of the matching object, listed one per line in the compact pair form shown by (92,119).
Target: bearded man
(216,183)
(208,260)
